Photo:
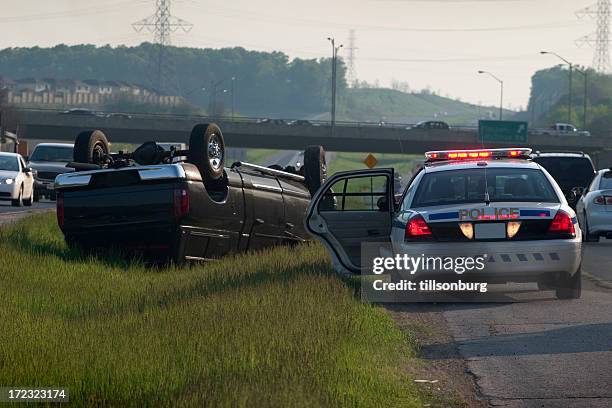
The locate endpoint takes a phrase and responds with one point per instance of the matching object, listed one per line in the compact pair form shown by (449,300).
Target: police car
(492,203)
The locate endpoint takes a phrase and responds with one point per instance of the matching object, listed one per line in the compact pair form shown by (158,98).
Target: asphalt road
(9,213)
(541,352)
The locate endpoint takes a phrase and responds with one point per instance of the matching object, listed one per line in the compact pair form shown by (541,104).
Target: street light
(334,70)
(571,66)
(586,94)
(501,99)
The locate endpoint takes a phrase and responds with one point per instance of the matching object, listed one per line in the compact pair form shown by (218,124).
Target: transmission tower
(601,38)
(162,24)
(352,77)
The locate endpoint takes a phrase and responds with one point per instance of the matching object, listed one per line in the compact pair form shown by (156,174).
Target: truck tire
(207,150)
(570,287)
(90,147)
(315,168)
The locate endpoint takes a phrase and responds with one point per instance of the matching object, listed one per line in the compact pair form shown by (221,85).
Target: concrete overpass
(347,137)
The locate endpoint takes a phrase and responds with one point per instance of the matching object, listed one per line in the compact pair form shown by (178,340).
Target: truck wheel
(91,147)
(315,167)
(207,150)
(570,287)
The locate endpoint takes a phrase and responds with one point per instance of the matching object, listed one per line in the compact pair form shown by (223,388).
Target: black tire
(207,150)
(586,236)
(19,201)
(315,168)
(90,147)
(570,287)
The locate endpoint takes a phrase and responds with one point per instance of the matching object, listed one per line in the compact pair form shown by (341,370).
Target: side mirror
(578,191)
(27,170)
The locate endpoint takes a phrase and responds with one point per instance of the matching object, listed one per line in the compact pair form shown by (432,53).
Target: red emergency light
(445,155)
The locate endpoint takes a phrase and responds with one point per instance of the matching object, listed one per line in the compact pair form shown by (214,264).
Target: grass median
(275,328)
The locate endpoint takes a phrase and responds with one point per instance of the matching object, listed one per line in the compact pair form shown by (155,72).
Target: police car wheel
(570,287)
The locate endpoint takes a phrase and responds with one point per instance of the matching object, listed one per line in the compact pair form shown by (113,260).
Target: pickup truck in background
(560,129)
(196,209)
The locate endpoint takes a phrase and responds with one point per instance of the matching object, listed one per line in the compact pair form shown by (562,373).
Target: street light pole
(571,66)
(501,98)
(586,94)
(334,79)
(233,99)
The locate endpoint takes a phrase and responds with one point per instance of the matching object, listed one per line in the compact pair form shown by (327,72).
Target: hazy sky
(436,43)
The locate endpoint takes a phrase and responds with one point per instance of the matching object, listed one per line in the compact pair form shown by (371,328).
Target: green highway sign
(502,131)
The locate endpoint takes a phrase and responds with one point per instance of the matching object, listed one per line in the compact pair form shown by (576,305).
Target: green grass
(352,161)
(276,328)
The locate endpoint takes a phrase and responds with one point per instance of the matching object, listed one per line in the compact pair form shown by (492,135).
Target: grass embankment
(402,163)
(276,328)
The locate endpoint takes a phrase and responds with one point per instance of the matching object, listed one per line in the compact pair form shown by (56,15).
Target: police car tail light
(181,202)
(562,224)
(512,228)
(60,210)
(417,228)
(518,153)
(467,228)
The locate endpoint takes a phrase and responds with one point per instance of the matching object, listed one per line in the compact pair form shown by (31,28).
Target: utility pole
(334,70)
(571,68)
(162,24)
(600,40)
(501,98)
(352,76)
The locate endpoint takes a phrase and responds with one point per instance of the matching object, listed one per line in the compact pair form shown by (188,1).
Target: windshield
(568,172)
(606,181)
(9,163)
(469,186)
(52,154)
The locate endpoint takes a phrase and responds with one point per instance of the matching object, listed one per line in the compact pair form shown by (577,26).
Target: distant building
(70,92)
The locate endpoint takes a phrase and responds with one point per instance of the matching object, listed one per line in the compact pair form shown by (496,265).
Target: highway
(9,213)
(539,352)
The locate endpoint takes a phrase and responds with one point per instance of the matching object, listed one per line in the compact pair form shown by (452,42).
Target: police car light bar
(514,153)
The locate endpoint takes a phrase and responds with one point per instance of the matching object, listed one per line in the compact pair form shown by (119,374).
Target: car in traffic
(594,207)
(431,124)
(561,129)
(271,121)
(196,209)
(16,180)
(492,202)
(300,122)
(79,111)
(49,160)
(573,171)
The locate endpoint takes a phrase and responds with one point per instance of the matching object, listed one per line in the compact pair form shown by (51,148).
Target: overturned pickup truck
(196,209)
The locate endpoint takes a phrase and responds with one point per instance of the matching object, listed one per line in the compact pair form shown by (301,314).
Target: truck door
(351,208)
(264,197)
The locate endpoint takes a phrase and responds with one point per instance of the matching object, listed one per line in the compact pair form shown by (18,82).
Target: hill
(264,83)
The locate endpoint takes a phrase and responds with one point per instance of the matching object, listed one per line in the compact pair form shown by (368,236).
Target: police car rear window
(469,186)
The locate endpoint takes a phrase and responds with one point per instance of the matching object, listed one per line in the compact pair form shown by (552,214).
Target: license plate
(495,230)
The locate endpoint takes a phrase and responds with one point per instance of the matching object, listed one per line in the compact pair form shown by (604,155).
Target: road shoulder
(445,374)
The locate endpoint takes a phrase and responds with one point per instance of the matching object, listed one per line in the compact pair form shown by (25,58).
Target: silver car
(594,208)
(494,203)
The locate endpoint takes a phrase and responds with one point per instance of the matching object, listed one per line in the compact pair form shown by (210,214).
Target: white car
(594,208)
(16,180)
(494,203)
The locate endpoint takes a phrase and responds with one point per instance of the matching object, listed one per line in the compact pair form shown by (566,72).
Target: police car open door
(349,209)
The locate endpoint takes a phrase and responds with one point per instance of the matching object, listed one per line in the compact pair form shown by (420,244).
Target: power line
(600,40)
(162,24)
